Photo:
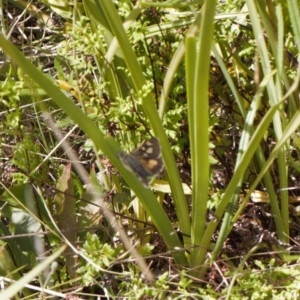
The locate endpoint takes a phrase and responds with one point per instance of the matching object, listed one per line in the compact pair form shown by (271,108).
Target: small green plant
(102,255)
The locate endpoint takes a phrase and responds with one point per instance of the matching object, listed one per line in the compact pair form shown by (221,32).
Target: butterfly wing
(145,161)
(134,165)
(150,148)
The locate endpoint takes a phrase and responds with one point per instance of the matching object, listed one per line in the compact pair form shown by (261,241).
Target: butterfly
(145,161)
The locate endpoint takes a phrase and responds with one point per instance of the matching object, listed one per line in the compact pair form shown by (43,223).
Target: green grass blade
(198,78)
(149,108)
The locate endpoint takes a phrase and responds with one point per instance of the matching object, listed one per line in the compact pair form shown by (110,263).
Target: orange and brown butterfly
(145,161)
